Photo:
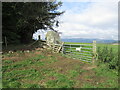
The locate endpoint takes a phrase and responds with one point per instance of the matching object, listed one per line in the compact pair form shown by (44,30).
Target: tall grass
(108,55)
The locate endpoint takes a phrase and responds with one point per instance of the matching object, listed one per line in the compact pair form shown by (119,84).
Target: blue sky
(88,19)
(80,5)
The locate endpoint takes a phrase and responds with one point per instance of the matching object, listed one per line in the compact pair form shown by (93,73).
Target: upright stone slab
(52,37)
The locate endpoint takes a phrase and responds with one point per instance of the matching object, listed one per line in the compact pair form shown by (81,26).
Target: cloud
(89,0)
(97,20)
(40,32)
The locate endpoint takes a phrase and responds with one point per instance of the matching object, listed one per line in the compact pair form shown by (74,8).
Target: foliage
(22,19)
(107,55)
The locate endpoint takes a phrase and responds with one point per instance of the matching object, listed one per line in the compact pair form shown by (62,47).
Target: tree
(22,19)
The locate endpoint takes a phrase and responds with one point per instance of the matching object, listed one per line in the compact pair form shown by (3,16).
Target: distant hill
(116,43)
(82,40)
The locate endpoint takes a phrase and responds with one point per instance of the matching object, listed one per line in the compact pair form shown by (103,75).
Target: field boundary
(85,52)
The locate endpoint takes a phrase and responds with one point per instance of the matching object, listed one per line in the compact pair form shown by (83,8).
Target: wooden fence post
(94,51)
(60,47)
(6,41)
(63,48)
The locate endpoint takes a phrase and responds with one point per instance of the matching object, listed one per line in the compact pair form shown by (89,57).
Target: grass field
(44,69)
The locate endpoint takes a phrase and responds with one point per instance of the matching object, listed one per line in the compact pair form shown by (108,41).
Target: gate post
(94,52)
(63,48)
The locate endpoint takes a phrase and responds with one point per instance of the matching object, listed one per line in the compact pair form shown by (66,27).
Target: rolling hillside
(82,40)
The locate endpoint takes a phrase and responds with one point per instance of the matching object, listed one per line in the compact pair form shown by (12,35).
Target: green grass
(47,71)
(109,46)
(112,75)
(61,81)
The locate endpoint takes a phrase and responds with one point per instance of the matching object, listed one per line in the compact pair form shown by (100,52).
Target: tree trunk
(26,37)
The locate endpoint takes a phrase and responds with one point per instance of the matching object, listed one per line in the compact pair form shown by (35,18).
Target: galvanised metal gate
(84,52)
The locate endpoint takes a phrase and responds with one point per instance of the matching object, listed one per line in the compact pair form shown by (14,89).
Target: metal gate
(84,52)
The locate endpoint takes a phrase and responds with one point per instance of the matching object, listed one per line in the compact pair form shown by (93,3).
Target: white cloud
(99,20)
(89,0)
(40,32)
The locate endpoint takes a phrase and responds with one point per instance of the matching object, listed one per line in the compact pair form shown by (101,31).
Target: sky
(88,19)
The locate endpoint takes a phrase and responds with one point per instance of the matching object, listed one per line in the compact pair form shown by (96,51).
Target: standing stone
(52,37)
